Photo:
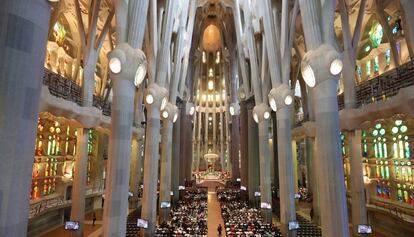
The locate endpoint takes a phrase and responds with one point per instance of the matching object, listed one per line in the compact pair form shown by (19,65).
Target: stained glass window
(380,151)
(368,68)
(359,72)
(375,34)
(401,156)
(388,57)
(376,64)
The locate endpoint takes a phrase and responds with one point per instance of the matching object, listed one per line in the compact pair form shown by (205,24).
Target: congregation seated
(239,219)
(132,229)
(189,218)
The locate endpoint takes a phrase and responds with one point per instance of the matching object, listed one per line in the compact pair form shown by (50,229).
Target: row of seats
(189,218)
(239,219)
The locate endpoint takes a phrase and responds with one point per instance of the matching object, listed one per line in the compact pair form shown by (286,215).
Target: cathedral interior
(290,118)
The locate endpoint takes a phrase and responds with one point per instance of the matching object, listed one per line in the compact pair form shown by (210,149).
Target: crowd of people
(189,218)
(239,219)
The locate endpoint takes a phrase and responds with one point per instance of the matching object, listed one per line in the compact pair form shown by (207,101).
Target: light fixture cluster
(127,62)
(156,94)
(280,96)
(242,93)
(234,109)
(170,112)
(261,112)
(316,63)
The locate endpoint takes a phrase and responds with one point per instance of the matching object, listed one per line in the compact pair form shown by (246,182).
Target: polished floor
(214,215)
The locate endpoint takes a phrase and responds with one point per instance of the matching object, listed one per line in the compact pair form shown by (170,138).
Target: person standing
(93,219)
(219,229)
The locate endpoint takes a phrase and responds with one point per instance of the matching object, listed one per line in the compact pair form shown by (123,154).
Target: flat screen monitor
(243,188)
(293,225)
(364,229)
(165,204)
(265,205)
(181,187)
(297,195)
(238,179)
(72,225)
(142,223)
(171,193)
(257,194)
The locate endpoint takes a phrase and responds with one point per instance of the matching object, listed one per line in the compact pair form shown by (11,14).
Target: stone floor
(213,215)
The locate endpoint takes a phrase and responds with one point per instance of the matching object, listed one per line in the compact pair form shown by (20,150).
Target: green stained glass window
(375,34)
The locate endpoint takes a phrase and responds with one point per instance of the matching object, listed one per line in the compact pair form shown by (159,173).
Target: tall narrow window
(376,64)
(368,68)
(388,57)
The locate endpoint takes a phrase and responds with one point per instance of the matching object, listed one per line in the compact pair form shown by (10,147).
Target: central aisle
(214,215)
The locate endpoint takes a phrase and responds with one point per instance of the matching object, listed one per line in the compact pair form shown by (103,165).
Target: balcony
(67,89)
(383,86)
(54,202)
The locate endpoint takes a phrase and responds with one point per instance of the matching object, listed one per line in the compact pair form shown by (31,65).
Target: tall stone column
(244,157)
(185,149)
(313,174)
(24,29)
(206,128)
(228,140)
(253,157)
(235,146)
(166,153)
(222,140)
(275,152)
(176,153)
(317,72)
(286,170)
(261,114)
(136,165)
(79,180)
(359,209)
(199,124)
(123,73)
(214,113)
(151,156)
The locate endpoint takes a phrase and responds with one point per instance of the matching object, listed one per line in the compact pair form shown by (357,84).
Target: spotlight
(308,75)
(164,103)
(266,115)
(272,103)
(165,114)
(336,67)
(231,110)
(255,118)
(175,117)
(140,75)
(149,99)
(115,65)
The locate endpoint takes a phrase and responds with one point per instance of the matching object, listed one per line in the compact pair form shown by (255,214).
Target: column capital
(261,113)
(156,96)
(170,113)
(320,62)
(128,63)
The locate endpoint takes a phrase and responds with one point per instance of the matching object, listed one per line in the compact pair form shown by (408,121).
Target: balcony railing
(397,211)
(383,86)
(57,202)
(67,89)
(62,87)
